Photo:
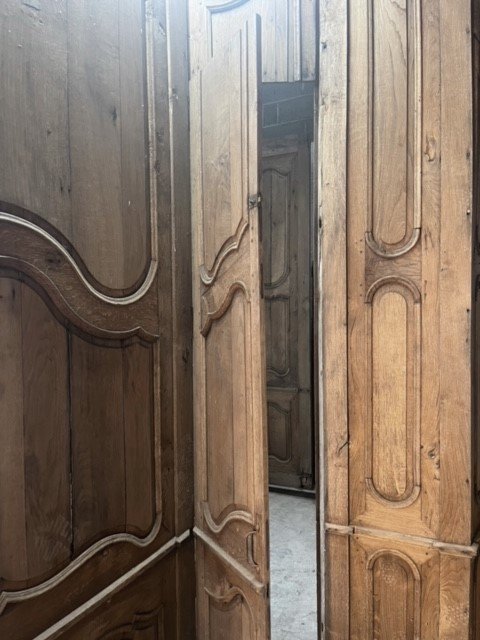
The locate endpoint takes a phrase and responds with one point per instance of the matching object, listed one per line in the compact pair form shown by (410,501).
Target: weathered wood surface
(95,326)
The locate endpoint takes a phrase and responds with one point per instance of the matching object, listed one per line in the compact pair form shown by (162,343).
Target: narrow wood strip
(90,605)
(470,551)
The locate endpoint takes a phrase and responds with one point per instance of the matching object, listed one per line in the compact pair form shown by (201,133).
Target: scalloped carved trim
(58,246)
(236,515)
(404,282)
(388,502)
(229,599)
(230,245)
(393,253)
(8,597)
(41,283)
(212,315)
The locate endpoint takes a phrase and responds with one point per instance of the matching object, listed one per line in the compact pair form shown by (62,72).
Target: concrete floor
(293,567)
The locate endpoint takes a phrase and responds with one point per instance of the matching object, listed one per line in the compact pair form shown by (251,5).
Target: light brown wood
(286,280)
(231,509)
(288,34)
(400,550)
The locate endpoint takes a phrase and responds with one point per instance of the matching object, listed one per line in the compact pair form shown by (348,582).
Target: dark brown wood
(287,293)
(94,329)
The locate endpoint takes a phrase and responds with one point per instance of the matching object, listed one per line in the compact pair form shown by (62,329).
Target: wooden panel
(143,610)
(286,271)
(288,34)
(97,443)
(80,147)
(229,392)
(46,437)
(409,233)
(13,547)
(395,124)
(83,336)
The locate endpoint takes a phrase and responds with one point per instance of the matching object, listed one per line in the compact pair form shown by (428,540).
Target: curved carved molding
(209,316)
(234,515)
(41,227)
(229,599)
(58,246)
(412,297)
(285,301)
(393,280)
(224,5)
(8,597)
(288,431)
(140,622)
(392,253)
(410,569)
(286,253)
(230,245)
(42,258)
(64,314)
(413,64)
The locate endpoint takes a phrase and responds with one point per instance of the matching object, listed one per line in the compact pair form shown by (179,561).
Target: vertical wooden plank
(336,617)
(138,402)
(431,205)
(456,273)
(13,542)
(332,187)
(47,436)
(332,214)
(134,145)
(456,610)
(35,169)
(308,35)
(177,29)
(98,457)
(95,138)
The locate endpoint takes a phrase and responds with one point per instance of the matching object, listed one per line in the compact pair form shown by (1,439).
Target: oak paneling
(286,225)
(94,337)
(76,118)
(230,372)
(288,34)
(407,517)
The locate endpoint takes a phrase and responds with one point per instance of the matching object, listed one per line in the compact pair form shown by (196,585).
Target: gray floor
(293,567)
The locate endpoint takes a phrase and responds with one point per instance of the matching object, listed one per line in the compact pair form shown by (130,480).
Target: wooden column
(400,513)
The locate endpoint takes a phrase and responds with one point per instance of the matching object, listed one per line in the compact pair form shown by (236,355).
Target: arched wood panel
(94,340)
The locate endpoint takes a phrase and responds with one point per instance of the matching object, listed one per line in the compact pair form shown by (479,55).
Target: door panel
(286,271)
(230,420)
(288,34)
(88,475)
(78,157)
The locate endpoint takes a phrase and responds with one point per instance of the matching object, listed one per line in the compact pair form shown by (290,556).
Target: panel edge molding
(10,597)
(412,296)
(375,244)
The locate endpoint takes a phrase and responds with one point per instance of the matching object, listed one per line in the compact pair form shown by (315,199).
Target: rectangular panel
(98,449)
(230,405)
(47,437)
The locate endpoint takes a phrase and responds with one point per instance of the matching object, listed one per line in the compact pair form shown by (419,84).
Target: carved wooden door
(229,364)
(84,182)
(286,272)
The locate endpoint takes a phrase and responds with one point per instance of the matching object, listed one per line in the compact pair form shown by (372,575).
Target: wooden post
(400,512)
